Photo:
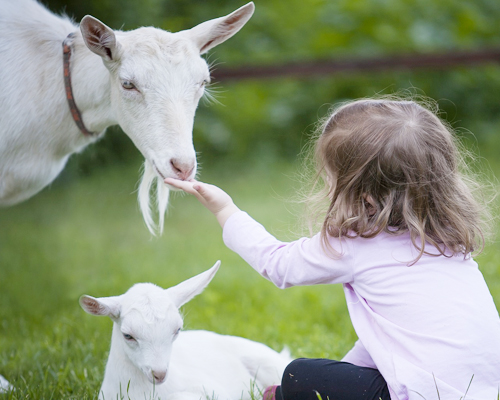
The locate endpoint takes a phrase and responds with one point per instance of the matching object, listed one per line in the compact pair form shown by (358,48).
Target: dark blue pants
(305,378)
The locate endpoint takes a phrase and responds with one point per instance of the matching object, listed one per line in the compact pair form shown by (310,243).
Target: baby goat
(145,363)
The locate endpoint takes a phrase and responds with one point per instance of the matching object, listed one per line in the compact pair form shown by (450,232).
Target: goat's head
(157,80)
(147,321)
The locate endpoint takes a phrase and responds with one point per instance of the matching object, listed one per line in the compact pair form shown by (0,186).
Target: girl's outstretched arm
(213,198)
(301,262)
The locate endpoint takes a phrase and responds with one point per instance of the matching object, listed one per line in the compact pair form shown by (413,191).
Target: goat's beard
(149,177)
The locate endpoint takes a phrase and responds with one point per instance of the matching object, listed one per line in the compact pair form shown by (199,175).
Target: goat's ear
(99,38)
(107,306)
(211,33)
(186,290)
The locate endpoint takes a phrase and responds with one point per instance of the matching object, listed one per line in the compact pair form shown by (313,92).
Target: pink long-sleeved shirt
(428,327)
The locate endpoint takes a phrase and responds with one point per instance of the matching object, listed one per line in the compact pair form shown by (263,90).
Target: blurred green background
(267,120)
(84,234)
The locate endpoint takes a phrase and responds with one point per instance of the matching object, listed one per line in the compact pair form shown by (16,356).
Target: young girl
(398,234)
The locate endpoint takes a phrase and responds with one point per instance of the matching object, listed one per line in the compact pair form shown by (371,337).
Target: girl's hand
(213,198)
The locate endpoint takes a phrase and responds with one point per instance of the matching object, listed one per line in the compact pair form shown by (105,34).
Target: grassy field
(86,236)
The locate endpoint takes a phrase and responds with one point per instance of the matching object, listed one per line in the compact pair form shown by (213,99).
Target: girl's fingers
(202,192)
(200,188)
(192,187)
(210,196)
(172,182)
(183,185)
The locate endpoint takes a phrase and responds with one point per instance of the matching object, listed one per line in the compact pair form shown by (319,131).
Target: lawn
(86,236)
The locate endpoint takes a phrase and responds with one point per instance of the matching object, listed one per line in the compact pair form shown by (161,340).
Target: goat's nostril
(183,170)
(159,376)
(175,165)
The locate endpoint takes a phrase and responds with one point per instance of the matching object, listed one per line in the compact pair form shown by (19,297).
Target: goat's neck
(91,87)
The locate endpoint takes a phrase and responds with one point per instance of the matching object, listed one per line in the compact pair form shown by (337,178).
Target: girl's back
(434,321)
(406,211)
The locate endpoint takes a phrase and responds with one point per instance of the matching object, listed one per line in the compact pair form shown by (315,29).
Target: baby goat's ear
(107,306)
(185,291)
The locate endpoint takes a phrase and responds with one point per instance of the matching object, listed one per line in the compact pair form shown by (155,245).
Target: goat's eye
(128,337)
(205,82)
(128,85)
(177,332)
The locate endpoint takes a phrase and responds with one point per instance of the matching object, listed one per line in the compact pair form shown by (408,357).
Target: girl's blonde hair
(393,166)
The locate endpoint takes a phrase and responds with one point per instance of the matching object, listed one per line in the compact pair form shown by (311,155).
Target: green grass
(86,236)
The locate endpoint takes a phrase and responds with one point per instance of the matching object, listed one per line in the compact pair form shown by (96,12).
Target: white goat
(145,363)
(148,81)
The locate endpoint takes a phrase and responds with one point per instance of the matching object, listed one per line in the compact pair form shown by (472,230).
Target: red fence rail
(330,67)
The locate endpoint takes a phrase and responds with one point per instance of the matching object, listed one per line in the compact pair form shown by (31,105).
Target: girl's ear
(371,206)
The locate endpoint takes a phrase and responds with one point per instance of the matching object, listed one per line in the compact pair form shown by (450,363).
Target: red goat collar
(75,112)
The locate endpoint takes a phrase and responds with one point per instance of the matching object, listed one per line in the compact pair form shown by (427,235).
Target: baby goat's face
(147,321)
(146,330)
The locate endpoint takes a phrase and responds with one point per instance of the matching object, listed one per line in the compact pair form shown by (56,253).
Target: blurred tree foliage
(270,119)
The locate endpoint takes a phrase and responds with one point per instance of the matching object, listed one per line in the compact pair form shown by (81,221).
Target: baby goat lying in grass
(145,363)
